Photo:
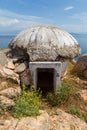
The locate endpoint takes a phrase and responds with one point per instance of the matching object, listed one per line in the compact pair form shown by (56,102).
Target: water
(5,40)
(81,38)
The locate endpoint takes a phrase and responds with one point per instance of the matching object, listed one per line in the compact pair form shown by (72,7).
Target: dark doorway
(45,80)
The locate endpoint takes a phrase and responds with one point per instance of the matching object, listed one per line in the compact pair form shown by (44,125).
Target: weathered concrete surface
(45,43)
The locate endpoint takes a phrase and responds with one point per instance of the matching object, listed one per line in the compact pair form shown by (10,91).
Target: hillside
(64,110)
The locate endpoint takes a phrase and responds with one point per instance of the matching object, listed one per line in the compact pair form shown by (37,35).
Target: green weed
(62,96)
(28,104)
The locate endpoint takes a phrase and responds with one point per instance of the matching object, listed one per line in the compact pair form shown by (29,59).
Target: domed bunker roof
(46,43)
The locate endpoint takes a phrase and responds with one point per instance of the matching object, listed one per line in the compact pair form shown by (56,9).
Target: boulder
(2,73)
(6,101)
(20,68)
(11,92)
(81,66)
(10,65)
(3,85)
(8,71)
(25,78)
(3,57)
(85,74)
(11,74)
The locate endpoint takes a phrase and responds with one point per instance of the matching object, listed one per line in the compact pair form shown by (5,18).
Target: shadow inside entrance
(45,80)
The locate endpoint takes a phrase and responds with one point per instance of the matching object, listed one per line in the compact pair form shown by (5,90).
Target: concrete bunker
(44,43)
(46,75)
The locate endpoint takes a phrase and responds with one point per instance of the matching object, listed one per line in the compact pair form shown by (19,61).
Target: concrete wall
(57,66)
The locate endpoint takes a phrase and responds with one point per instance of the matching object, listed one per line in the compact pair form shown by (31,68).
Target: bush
(65,91)
(28,104)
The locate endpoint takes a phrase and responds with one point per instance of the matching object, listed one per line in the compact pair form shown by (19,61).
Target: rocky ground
(58,121)
(52,118)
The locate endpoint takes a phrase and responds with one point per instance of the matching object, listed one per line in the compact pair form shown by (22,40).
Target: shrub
(28,104)
(65,91)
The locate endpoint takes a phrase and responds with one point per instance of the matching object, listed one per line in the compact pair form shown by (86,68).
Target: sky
(17,15)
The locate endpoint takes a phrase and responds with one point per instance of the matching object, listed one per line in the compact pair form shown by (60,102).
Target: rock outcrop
(58,121)
(81,66)
(16,68)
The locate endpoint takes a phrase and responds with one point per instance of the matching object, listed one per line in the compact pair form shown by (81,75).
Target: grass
(28,104)
(62,96)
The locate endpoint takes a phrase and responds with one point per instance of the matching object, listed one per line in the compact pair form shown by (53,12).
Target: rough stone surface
(83,94)
(3,85)
(81,66)
(8,71)
(2,73)
(25,78)
(20,68)
(58,121)
(10,74)
(45,43)
(6,101)
(11,92)
(3,57)
(85,73)
(10,65)
(65,121)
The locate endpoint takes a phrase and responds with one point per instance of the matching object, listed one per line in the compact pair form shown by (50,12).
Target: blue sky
(16,15)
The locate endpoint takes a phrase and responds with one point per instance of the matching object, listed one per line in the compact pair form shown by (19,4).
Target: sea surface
(81,38)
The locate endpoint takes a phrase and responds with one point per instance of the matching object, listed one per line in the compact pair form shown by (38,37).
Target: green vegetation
(28,104)
(62,96)
(75,110)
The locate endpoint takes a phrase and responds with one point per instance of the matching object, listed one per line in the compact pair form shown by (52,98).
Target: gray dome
(44,42)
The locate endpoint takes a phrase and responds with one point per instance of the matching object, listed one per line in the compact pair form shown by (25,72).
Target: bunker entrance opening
(45,79)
